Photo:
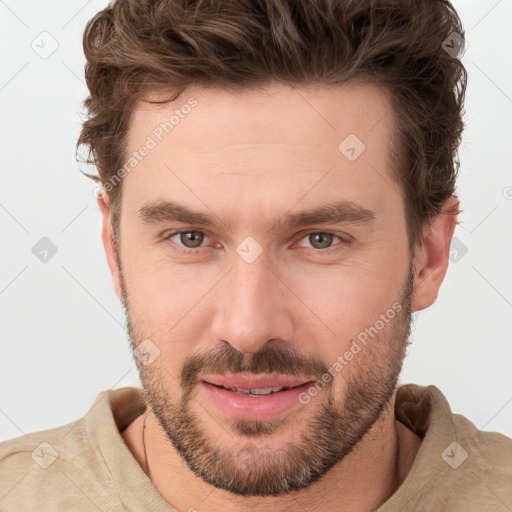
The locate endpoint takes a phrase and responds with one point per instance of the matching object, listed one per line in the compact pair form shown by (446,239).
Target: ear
(108,242)
(431,257)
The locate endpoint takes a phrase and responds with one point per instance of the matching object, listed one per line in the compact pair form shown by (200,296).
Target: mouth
(254,397)
(252,381)
(259,391)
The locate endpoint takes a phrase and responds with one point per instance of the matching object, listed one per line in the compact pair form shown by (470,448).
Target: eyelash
(328,250)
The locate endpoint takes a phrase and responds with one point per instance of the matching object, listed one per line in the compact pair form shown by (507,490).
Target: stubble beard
(247,465)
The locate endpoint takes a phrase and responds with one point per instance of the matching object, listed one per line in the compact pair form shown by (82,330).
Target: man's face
(255,292)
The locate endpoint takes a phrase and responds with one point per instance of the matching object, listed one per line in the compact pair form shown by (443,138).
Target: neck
(366,478)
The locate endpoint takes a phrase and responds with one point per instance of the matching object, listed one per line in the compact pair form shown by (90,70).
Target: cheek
(348,299)
(171,305)
(161,290)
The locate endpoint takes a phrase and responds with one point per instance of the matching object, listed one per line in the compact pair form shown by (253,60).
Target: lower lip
(237,405)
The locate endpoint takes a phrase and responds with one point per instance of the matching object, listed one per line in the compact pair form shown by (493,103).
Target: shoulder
(458,466)
(53,469)
(42,448)
(477,473)
(489,454)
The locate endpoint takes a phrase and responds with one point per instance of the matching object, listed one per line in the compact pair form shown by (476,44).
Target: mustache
(270,359)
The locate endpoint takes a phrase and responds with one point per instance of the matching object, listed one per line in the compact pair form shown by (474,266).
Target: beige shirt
(86,466)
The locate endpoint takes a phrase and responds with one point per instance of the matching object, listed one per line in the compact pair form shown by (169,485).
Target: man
(278,196)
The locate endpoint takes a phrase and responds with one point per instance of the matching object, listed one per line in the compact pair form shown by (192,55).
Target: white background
(62,327)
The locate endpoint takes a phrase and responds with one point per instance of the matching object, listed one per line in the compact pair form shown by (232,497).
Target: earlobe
(431,261)
(107,237)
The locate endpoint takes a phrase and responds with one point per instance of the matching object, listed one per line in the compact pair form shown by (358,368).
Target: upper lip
(255,381)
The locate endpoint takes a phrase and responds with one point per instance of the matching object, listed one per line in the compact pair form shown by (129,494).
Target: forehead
(278,113)
(279,142)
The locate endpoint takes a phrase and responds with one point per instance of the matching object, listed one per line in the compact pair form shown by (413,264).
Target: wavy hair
(137,47)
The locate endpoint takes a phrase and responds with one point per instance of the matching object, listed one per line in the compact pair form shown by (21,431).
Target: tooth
(265,391)
(259,391)
(262,391)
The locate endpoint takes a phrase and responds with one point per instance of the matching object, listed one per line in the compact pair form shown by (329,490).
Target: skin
(253,157)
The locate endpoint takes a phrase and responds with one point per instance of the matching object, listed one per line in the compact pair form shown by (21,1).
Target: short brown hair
(136,47)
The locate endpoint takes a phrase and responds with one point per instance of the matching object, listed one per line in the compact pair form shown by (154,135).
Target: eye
(323,241)
(189,240)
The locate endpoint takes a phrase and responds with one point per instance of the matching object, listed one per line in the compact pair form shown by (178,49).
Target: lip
(248,407)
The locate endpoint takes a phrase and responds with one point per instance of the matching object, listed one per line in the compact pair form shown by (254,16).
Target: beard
(247,467)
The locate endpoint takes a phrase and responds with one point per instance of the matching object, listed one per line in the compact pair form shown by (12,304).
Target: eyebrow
(330,213)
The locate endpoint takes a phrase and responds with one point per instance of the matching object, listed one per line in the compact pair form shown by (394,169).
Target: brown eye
(191,239)
(187,239)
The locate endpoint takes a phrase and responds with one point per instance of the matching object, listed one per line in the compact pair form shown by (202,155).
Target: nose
(253,306)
